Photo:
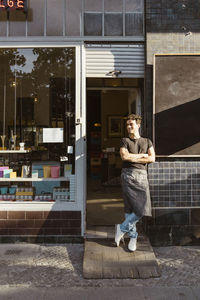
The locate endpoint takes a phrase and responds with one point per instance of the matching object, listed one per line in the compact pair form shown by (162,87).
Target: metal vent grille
(102,59)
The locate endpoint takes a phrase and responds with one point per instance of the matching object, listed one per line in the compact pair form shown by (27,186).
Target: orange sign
(13,5)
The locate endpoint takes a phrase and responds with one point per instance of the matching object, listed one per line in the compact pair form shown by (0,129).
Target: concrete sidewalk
(32,271)
(91,293)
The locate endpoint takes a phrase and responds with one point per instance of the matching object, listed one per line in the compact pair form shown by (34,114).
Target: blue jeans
(129,225)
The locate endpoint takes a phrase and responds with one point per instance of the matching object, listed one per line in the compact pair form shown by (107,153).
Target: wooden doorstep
(102,259)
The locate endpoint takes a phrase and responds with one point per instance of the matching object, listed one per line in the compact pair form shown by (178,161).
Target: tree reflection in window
(42,82)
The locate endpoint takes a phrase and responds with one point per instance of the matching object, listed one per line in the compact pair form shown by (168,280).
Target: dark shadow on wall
(148,101)
(177,129)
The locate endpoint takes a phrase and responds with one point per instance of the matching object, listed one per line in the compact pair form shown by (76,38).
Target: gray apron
(135,188)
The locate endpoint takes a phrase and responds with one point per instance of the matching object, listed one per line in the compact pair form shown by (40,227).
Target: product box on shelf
(24,198)
(7,197)
(24,194)
(45,186)
(25,171)
(67,170)
(55,171)
(47,171)
(34,173)
(12,189)
(13,174)
(7,190)
(24,191)
(39,169)
(4,190)
(2,170)
(61,194)
(47,197)
(6,173)
(7,193)
(50,169)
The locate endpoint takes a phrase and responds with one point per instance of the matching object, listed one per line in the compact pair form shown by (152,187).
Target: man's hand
(151,157)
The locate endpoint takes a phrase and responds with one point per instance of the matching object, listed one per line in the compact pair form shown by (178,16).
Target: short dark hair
(135,117)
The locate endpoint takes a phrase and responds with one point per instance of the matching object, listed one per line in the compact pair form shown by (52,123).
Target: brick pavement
(61,266)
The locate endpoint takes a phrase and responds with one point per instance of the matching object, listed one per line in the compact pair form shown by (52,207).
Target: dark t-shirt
(135,146)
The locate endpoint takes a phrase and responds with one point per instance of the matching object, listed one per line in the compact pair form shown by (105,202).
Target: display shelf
(40,203)
(34,179)
(14,151)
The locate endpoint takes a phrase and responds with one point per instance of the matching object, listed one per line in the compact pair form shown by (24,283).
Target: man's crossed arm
(141,158)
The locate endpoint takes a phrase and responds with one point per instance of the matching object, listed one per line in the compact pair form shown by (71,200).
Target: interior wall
(113,103)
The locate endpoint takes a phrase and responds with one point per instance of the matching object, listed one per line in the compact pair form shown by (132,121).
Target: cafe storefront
(47,50)
(40,94)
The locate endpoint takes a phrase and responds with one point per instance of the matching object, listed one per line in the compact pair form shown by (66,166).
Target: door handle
(78,121)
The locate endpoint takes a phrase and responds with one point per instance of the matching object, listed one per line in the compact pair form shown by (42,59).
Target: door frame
(131,93)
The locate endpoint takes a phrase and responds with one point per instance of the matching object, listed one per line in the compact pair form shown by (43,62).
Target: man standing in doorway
(136,152)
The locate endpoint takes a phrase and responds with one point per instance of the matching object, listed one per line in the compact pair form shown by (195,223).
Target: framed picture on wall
(115,126)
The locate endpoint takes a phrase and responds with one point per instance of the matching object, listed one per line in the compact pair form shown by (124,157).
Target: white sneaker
(132,244)
(118,234)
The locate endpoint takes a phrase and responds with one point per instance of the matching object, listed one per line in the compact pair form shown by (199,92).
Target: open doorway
(109,101)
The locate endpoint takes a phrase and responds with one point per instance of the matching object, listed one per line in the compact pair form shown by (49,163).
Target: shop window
(134,24)
(37,124)
(113,23)
(93,17)
(134,5)
(93,24)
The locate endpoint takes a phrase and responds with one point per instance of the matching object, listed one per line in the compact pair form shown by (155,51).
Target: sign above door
(10,5)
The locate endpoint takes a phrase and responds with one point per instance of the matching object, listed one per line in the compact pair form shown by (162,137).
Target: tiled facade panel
(175,183)
(40,223)
(171,27)
(172,15)
(174,226)
(175,194)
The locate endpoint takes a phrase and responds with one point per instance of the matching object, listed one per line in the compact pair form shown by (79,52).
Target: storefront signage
(13,5)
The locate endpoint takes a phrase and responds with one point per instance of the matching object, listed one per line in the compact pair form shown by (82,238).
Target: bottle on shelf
(11,141)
